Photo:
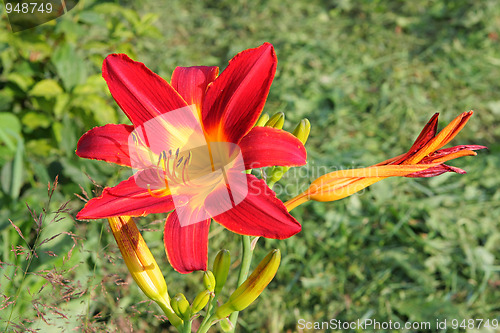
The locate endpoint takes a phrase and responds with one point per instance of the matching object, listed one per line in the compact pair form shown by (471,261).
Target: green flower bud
(277,120)
(180,305)
(221,269)
(262,120)
(200,301)
(253,286)
(302,130)
(209,280)
(276,174)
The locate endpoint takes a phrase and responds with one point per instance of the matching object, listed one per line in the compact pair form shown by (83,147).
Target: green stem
(244,268)
(205,324)
(246,259)
(186,328)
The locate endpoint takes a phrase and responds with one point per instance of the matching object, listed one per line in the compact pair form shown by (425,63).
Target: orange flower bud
(141,263)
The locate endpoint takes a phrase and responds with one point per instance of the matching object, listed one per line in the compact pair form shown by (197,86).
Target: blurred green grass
(368,75)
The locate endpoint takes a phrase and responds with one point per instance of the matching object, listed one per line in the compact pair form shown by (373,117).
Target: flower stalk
(246,260)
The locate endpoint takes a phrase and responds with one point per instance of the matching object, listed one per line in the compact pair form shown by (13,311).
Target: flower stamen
(138,141)
(185,175)
(151,193)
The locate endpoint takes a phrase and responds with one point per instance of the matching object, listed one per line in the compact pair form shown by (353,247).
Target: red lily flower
(424,159)
(227,107)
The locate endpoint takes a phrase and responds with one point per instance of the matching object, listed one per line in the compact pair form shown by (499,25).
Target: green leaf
(6,98)
(22,81)
(10,121)
(40,171)
(94,84)
(10,127)
(6,177)
(73,171)
(131,16)
(12,173)
(5,154)
(108,8)
(17,171)
(70,65)
(39,147)
(33,120)
(71,29)
(65,135)
(103,112)
(46,88)
(61,105)
(92,18)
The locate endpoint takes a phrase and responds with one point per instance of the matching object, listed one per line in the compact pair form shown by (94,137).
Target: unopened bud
(141,263)
(277,120)
(209,280)
(262,120)
(221,269)
(200,301)
(253,286)
(181,306)
(276,174)
(302,130)
(136,254)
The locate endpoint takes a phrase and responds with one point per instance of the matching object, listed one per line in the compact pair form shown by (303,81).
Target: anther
(160,159)
(134,137)
(137,142)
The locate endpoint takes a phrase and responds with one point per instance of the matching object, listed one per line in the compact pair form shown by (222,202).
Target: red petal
(235,100)
(428,132)
(259,214)
(441,139)
(436,171)
(447,151)
(107,143)
(128,199)
(139,92)
(187,246)
(192,82)
(267,146)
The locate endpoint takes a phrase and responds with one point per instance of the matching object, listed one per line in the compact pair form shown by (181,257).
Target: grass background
(367,74)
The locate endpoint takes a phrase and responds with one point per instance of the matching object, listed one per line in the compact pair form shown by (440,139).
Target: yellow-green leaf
(46,88)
